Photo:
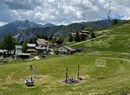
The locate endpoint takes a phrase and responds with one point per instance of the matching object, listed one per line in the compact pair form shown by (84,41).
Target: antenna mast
(84,15)
(109,11)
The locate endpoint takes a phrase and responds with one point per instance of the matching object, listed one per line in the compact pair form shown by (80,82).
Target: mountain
(61,29)
(49,25)
(16,26)
(23,30)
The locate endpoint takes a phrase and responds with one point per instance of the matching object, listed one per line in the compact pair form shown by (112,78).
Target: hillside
(114,79)
(116,40)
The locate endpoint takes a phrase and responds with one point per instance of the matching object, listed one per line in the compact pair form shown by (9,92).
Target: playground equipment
(73,80)
(30,82)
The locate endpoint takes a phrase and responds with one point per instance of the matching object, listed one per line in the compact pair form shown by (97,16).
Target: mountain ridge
(23,30)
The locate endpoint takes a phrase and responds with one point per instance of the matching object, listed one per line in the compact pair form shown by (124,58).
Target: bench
(29,84)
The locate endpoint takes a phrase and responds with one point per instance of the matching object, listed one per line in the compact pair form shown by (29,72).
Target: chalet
(55,38)
(42,43)
(18,49)
(65,50)
(3,53)
(23,55)
(31,48)
(84,33)
(41,51)
(42,47)
(19,53)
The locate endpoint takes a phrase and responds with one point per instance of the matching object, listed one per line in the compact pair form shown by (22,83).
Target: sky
(62,11)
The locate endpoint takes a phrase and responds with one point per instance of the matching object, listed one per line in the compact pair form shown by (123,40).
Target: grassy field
(114,79)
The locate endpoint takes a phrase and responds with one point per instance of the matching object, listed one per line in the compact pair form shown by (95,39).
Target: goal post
(100,63)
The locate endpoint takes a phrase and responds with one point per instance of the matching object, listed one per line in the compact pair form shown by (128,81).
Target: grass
(50,73)
(115,40)
(114,79)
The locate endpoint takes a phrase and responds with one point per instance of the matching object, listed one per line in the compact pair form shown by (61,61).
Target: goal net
(100,63)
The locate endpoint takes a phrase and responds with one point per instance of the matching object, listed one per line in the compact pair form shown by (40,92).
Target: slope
(116,39)
(114,79)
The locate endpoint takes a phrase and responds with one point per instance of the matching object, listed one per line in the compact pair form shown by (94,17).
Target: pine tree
(83,38)
(115,22)
(1,45)
(60,41)
(93,35)
(45,37)
(24,47)
(9,43)
(70,38)
(77,37)
(50,38)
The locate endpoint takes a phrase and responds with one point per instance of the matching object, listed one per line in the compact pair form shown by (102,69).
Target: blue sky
(61,11)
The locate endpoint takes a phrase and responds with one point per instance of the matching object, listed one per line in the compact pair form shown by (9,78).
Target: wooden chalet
(23,55)
(19,53)
(42,47)
(31,48)
(65,50)
(84,33)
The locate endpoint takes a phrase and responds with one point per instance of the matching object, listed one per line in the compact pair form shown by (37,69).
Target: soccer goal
(100,63)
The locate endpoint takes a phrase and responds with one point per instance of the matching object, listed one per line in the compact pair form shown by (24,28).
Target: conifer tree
(77,37)
(70,38)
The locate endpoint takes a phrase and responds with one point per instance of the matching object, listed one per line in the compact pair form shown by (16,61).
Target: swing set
(73,80)
(30,82)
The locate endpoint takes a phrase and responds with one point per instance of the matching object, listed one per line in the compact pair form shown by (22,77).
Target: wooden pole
(78,72)
(66,74)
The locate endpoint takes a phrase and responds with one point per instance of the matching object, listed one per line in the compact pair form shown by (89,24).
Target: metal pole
(84,17)
(109,10)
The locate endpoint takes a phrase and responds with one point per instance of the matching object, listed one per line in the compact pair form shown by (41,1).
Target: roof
(31,45)
(18,46)
(68,48)
(41,41)
(55,37)
(40,48)
(73,33)
(2,51)
(31,50)
(26,54)
(85,31)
